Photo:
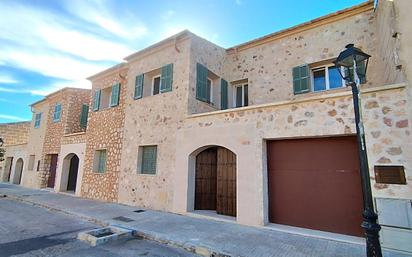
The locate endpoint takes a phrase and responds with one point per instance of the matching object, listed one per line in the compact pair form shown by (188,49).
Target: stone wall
(14,133)
(76,99)
(154,120)
(268,67)
(74,138)
(245,130)
(105,131)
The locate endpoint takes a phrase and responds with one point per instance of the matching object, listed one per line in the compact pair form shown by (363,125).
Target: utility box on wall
(395,217)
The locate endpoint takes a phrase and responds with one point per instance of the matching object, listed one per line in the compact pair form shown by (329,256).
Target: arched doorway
(70,171)
(215,181)
(18,170)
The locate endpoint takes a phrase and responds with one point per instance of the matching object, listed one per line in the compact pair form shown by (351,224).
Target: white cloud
(100,13)
(49,64)
(7,79)
(11,117)
(55,33)
(83,83)
(84,45)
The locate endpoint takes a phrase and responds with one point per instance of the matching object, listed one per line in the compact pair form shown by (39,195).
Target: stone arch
(18,171)
(70,172)
(213,180)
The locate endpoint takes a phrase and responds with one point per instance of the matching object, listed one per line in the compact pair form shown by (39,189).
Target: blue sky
(48,45)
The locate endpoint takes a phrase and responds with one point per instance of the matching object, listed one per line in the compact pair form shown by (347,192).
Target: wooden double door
(215,183)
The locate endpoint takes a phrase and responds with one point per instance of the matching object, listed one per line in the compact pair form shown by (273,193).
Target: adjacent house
(261,133)
(56,118)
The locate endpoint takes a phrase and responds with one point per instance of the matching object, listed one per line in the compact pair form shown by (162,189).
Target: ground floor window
(99,164)
(147,159)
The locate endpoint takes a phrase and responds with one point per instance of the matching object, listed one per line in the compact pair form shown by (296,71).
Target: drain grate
(123,218)
(139,211)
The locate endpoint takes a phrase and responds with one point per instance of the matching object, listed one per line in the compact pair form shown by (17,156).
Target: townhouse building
(261,134)
(14,137)
(56,118)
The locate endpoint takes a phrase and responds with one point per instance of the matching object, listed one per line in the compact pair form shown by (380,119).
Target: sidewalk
(203,236)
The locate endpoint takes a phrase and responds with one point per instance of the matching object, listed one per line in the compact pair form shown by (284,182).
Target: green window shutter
(114,98)
(57,112)
(201,83)
(138,87)
(102,161)
(149,158)
(84,115)
(96,100)
(37,120)
(301,79)
(223,94)
(166,78)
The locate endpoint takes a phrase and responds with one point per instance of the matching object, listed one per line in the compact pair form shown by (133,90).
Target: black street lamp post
(352,64)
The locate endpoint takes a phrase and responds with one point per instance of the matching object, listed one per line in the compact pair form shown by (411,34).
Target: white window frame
(211,90)
(326,68)
(243,94)
(160,82)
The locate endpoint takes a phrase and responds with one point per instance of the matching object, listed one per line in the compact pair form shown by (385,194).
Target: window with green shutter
(138,87)
(223,94)
(301,79)
(166,78)
(148,160)
(201,83)
(114,97)
(96,100)
(100,158)
(84,115)
(57,112)
(37,120)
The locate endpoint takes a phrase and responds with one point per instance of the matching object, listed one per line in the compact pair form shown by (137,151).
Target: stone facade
(71,100)
(14,133)
(180,125)
(105,131)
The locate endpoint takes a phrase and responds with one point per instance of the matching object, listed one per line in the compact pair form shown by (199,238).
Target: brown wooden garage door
(315,183)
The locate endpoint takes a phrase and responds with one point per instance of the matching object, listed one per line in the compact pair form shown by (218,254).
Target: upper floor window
(318,77)
(37,120)
(154,82)
(156,85)
(325,78)
(206,85)
(84,115)
(241,95)
(57,112)
(106,97)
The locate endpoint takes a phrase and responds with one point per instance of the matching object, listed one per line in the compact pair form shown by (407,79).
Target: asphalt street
(27,230)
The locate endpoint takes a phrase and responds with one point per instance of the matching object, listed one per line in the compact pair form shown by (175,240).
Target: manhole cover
(123,218)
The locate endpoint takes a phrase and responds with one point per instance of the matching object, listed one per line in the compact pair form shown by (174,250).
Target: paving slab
(202,236)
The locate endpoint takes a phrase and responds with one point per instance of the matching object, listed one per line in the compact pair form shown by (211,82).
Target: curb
(197,249)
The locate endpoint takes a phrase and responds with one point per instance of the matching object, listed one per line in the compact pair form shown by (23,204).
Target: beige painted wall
(15,151)
(62,172)
(35,144)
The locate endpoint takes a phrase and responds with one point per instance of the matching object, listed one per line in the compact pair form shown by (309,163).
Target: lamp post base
(372,228)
